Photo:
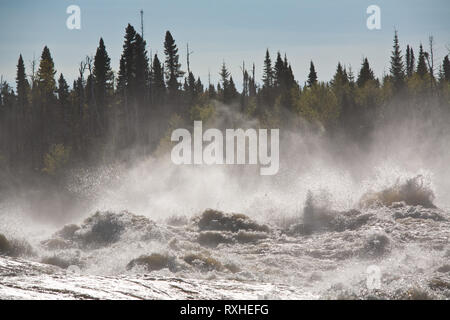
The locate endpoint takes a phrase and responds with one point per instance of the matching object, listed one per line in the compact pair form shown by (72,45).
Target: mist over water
(400,148)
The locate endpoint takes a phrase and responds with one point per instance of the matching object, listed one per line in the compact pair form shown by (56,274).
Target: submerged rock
(217,228)
(15,247)
(249,236)
(413,192)
(325,220)
(56,261)
(56,244)
(419,212)
(154,262)
(234,222)
(375,245)
(214,238)
(5,246)
(103,229)
(202,262)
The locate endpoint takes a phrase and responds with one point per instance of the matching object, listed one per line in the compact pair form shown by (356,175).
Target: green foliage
(318,104)
(165,144)
(203,113)
(101,117)
(56,159)
(369,95)
(46,74)
(418,85)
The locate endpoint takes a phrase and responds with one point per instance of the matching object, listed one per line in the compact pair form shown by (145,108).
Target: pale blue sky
(324,31)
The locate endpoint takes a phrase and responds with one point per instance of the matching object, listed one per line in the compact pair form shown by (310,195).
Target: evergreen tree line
(45,124)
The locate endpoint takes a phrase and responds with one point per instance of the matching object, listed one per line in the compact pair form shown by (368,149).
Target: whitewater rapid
(120,255)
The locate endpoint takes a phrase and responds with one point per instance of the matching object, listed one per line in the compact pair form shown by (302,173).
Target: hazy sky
(230,31)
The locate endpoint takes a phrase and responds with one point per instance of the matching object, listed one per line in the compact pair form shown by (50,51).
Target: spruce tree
(46,75)
(409,61)
(397,68)
(63,90)
(225,89)
(224,74)
(288,74)
(47,111)
(279,72)
(232,92)
(125,81)
(422,68)
(173,71)
(340,77)
(190,88)
(268,71)
(103,76)
(157,82)
(212,91)
(22,84)
(142,71)
(126,88)
(312,77)
(365,74)
(64,108)
(446,68)
(198,86)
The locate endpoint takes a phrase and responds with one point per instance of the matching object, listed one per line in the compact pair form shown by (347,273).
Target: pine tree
(232,92)
(141,68)
(126,89)
(225,89)
(22,84)
(340,77)
(212,94)
(422,68)
(365,74)
(397,67)
(446,68)
(157,82)
(351,76)
(312,77)
(125,81)
(268,71)
(63,91)
(190,88)
(289,79)
(198,87)
(279,72)
(47,111)
(64,109)
(173,71)
(409,61)
(23,137)
(46,75)
(103,76)
(224,74)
